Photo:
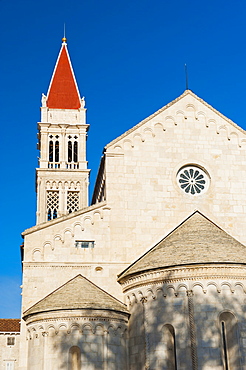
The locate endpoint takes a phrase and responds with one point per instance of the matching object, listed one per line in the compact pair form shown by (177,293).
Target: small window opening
(229,341)
(170,343)
(10,341)
(84,244)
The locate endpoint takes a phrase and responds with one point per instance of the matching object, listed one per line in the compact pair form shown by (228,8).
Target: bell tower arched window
(72,152)
(54,154)
(229,341)
(74,358)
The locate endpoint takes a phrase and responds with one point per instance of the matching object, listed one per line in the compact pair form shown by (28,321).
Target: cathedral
(151,275)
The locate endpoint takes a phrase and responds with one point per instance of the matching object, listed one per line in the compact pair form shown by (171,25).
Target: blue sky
(128,58)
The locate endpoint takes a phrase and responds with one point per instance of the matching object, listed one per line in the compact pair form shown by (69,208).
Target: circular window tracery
(193,180)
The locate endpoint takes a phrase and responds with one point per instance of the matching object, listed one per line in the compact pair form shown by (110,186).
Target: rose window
(193,180)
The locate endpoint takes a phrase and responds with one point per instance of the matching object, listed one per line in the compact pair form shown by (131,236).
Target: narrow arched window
(57,151)
(75,151)
(170,347)
(51,151)
(70,152)
(229,341)
(74,358)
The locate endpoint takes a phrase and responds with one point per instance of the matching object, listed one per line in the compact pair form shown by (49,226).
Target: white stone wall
(143,199)
(102,343)
(9,353)
(198,337)
(141,168)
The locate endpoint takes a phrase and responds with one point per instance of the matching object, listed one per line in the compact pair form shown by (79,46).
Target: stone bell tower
(62,176)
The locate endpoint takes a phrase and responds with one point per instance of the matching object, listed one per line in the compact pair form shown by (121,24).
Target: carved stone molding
(185,273)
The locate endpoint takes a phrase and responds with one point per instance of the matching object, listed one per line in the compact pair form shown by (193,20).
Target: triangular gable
(196,240)
(63,92)
(77,293)
(175,101)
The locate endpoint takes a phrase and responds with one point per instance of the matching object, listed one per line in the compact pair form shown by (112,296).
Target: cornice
(77,315)
(189,272)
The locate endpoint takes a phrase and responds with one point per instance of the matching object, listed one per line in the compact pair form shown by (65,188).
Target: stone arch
(233,137)
(97,215)
(198,284)
(118,149)
(160,290)
(158,127)
(170,289)
(211,121)
(242,141)
(171,120)
(37,255)
(180,115)
(151,293)
(202,118)
(127,144)
(190,107)
(77,227)
(137,140)
(74,326)
(88,218)
(182,285)
(148,130)
(111,329)
(212,283)
(225,283)
(62,326)
(241,285)
(99,329)
(223,130)
(87,328)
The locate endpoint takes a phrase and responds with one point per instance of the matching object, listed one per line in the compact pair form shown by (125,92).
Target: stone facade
(9,344)
(164,234)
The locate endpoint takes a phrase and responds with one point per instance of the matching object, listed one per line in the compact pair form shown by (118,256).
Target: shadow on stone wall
(99,344)
(196,316)
(209,327)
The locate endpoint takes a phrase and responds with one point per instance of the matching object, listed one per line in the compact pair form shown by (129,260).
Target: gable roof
(77,293)
(185,93)
(10,325)
(63,92)
(196,240)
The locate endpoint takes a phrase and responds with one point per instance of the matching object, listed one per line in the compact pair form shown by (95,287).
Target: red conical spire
(63,92)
